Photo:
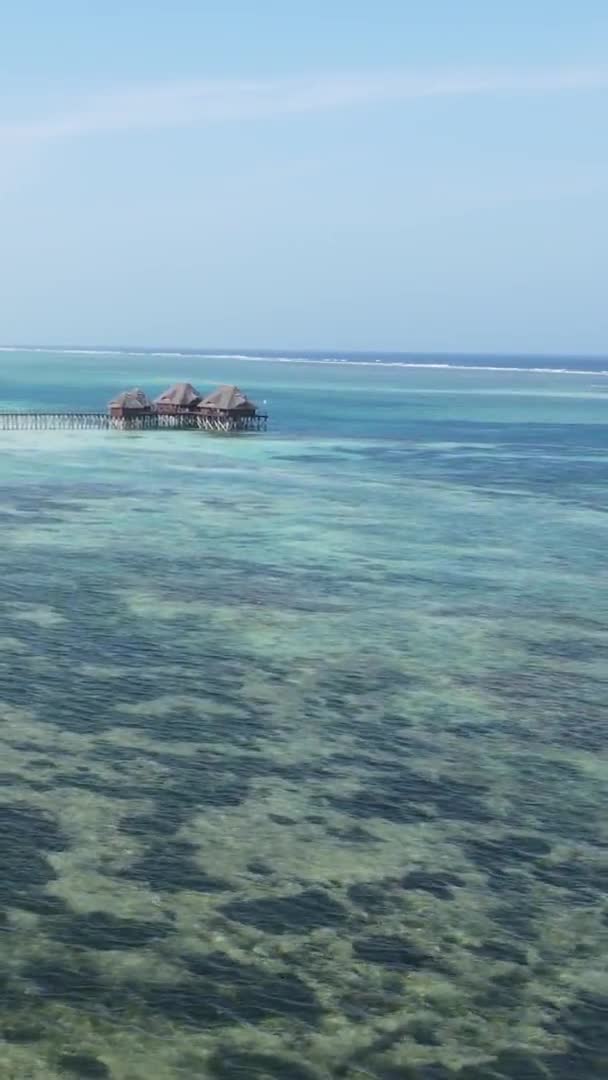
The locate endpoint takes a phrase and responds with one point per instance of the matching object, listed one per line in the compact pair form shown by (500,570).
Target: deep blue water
(480,361)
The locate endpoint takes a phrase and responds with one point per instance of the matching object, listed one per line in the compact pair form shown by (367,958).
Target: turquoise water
(304,735)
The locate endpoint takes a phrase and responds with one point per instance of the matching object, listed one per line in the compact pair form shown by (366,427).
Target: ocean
(304,734)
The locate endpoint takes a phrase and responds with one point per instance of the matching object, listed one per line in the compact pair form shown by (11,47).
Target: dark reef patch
(503,990)
(27,747)
(302,771)
(432,1071)
(437,882)
(361,1002)
(191,1004)
(354,834)
(505,864)
(371,803)
(10,778)
(259,868)
(221,990)
(383,1070)
(502,950)
(74,980)
(102,930)
(191,784)
(214,990)
(184,721)
(29,827)
(42,903)
(525,846)
(149,826)
(517,917)
(231,1064)
(309,910)
(253,993)
(369,895)
(518,1064)
(476,1072)
(26,835)
(89,782)
(84,1066)
(170,867)
(392,952)
(401,795)
(22,1032)
(586,881)
(585,1024)
(424,1032)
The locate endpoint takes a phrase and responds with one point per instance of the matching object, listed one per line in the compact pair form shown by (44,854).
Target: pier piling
(102,421)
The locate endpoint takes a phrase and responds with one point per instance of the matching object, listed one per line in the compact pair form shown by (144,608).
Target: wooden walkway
(102,421)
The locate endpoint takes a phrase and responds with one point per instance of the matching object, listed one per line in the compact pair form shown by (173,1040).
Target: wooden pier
(103,421)
(225,410)
(52,421)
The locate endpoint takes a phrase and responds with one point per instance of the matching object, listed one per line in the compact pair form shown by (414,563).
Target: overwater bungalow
(178,397)
(130,404)
(227,401)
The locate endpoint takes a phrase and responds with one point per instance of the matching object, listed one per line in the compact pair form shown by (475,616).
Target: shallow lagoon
(304,736)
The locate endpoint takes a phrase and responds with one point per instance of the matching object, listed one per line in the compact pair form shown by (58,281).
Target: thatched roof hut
(179,396)
(130,401)
(228,399)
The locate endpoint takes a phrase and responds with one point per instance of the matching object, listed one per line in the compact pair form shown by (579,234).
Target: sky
(415,175)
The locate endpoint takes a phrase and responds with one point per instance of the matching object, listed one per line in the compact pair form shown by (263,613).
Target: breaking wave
(457,363)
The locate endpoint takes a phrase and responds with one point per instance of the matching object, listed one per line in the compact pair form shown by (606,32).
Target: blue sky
(425,176)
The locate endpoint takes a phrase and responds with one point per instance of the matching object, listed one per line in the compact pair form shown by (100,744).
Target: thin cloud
(199,102)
